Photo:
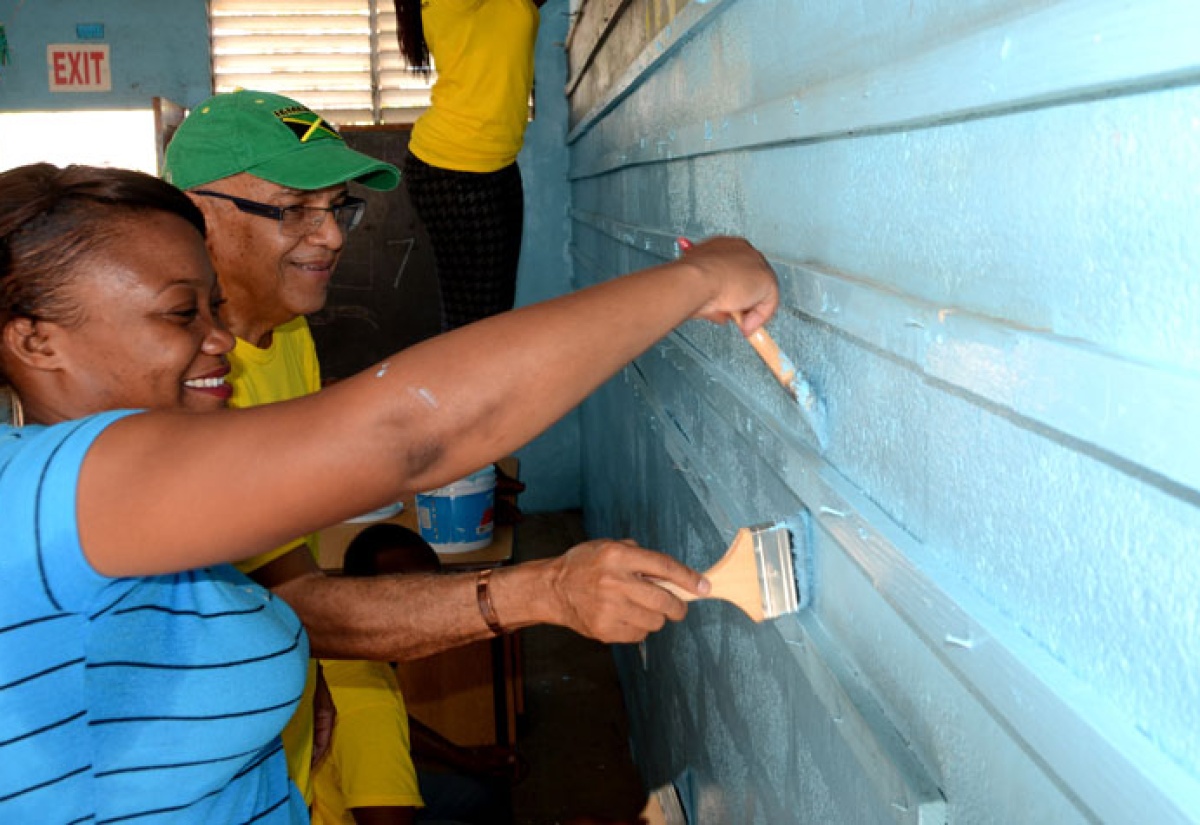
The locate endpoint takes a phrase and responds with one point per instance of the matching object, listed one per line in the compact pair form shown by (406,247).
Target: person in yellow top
(369,764)
(376,773)
(266,277)
(461,169)
(369,774)
(285,368)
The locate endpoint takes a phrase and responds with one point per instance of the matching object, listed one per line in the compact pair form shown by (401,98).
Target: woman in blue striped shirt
(141,677)
(128,689)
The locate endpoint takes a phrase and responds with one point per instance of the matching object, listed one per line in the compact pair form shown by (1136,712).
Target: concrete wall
(157,47)
(983,216)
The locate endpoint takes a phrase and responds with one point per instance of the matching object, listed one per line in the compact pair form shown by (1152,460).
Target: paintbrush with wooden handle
(757,574)
(784,370)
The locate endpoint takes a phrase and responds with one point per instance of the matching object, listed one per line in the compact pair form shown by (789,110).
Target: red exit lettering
(76,68)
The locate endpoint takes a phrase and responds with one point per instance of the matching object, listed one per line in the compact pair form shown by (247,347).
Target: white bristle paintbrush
(764,572)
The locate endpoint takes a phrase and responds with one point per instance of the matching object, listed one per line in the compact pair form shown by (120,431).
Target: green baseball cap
(271,137)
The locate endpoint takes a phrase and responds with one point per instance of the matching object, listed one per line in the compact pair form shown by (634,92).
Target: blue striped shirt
(141,700)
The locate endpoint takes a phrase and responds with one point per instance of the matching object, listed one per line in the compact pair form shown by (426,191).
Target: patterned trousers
(474,221)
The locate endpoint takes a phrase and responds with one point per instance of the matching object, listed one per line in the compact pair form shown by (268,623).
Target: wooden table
(470,694)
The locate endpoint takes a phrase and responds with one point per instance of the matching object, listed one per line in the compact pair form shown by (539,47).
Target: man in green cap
(250,160)
(268,174)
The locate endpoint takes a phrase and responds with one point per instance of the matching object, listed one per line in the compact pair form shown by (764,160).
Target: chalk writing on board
(403,263)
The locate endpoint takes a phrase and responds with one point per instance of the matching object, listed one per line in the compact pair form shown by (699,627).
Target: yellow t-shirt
(369,765)
(483,53)
(288,368)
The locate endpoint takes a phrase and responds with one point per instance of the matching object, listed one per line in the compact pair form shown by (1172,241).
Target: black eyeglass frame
(278,213)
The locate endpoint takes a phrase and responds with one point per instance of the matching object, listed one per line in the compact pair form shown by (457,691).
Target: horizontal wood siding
(983,219)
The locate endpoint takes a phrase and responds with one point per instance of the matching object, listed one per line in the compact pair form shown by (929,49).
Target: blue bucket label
(450,522)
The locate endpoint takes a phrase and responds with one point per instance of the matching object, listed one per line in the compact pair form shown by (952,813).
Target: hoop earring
(16,412)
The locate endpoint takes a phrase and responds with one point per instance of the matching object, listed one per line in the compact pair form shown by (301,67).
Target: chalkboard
(384,295)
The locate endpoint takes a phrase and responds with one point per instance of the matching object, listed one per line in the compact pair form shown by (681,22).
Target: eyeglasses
(297,221)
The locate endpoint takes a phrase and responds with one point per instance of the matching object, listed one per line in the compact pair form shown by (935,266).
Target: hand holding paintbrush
(758,573)
(782,368)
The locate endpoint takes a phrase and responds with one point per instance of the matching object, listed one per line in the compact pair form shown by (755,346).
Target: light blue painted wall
(157,48)
(984,217)
(550,465)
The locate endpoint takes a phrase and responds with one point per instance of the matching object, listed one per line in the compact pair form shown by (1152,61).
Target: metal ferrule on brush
(776,573)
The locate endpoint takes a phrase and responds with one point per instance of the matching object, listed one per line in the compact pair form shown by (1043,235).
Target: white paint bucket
(458,518)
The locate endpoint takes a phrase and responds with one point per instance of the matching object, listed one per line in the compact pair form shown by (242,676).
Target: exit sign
(79,68)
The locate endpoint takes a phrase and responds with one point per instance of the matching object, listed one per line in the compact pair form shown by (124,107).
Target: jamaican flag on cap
(271,137)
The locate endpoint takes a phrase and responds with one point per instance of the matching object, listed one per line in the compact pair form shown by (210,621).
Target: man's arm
(596,588)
